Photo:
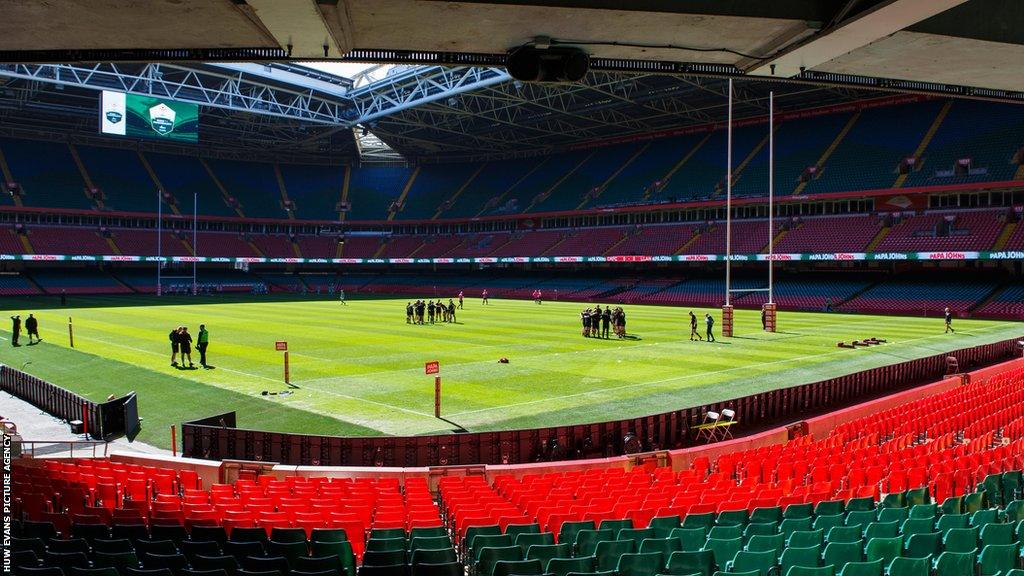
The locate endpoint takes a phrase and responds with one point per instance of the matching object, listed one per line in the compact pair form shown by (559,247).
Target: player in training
(949,321)
(693,327)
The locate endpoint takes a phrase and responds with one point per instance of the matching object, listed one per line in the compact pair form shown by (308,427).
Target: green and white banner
(818,257)
(149,117)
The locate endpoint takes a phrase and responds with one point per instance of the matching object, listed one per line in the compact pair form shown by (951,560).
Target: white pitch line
(686,377)
(239,372)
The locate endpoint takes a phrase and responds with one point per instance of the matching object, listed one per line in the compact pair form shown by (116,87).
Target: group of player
(429,312)
(598,322)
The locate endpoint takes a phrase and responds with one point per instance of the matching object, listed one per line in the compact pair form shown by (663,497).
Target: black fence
(102,421)
(217,438)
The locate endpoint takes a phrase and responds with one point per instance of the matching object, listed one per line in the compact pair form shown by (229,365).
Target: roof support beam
(867,27)
(305,28)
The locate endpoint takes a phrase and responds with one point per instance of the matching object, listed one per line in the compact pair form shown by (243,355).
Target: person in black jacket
(32,328)
(710,322)
(606,321)
(185,341)
(15,329)
(693,327)
(175,338)
(408,313)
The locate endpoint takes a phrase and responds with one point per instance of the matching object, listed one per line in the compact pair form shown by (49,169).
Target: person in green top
(201,343)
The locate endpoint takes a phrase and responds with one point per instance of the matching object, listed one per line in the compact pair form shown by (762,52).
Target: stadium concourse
(928,481)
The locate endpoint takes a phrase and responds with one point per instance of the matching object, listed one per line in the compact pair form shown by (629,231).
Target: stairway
(25,244)
(878,238)
(255,249)
(344,192)
(738,171)
(689,243)
(114,249)
(611,249)
(156,180)
(1005,235)
(775,241)
(404,194)
(925,141)
(283,190)
(682,162)
(526,175)
(85,176)
(223,191)
(441,208)
(6,171)
(547,193)
(828,151)
(608,180)
(988,297)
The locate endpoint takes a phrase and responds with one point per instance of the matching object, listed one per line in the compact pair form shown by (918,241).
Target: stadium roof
(657,65)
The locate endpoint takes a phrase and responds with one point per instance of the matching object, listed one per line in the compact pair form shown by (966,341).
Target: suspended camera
(556,64)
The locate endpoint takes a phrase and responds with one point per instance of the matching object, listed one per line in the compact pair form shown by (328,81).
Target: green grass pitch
(359,367)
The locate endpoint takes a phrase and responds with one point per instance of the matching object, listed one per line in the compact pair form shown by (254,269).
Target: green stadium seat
(859,517)
(382,533)
(805,538)
(798,511)
(664,525)
(760,529)
(952,505)
(381,544)
(293,535)
(881,530)
(725,532)
(910,567)
(565,566)
(545,552)
(665,546)
(385,558)
(993,485)
(844,534)
(983,517)
(961,540)
(513,530)
(829,508)
(894,500)
(641,564)
(439,556)
(1014,512)
(598,573)
(997,534)
(809,557)
(761,543)
(723,550)
(826,522)
(569,529)
(922,545)
(324,565)
(481,541)
(975,501)
(608,553)
(812,571)
(690,539)
(473,531)
(860,504)
(429,542)
(839,554)
(328,535)
(1013,483)
(637,535)
(339,549)
(685,563)
(766,514)
(917,496)
(997,558)
(884,549)
(954,564)
(293,550)
(732,518)
(616,525)
(862,569)
(763,563)
(917,526)
(587,540)
(490,556)
(528,539)
(518,568)
(705,521)
(893,514)
(923,511)
(947,522)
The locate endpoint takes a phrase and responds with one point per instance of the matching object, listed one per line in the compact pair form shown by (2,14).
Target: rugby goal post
(769,308)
